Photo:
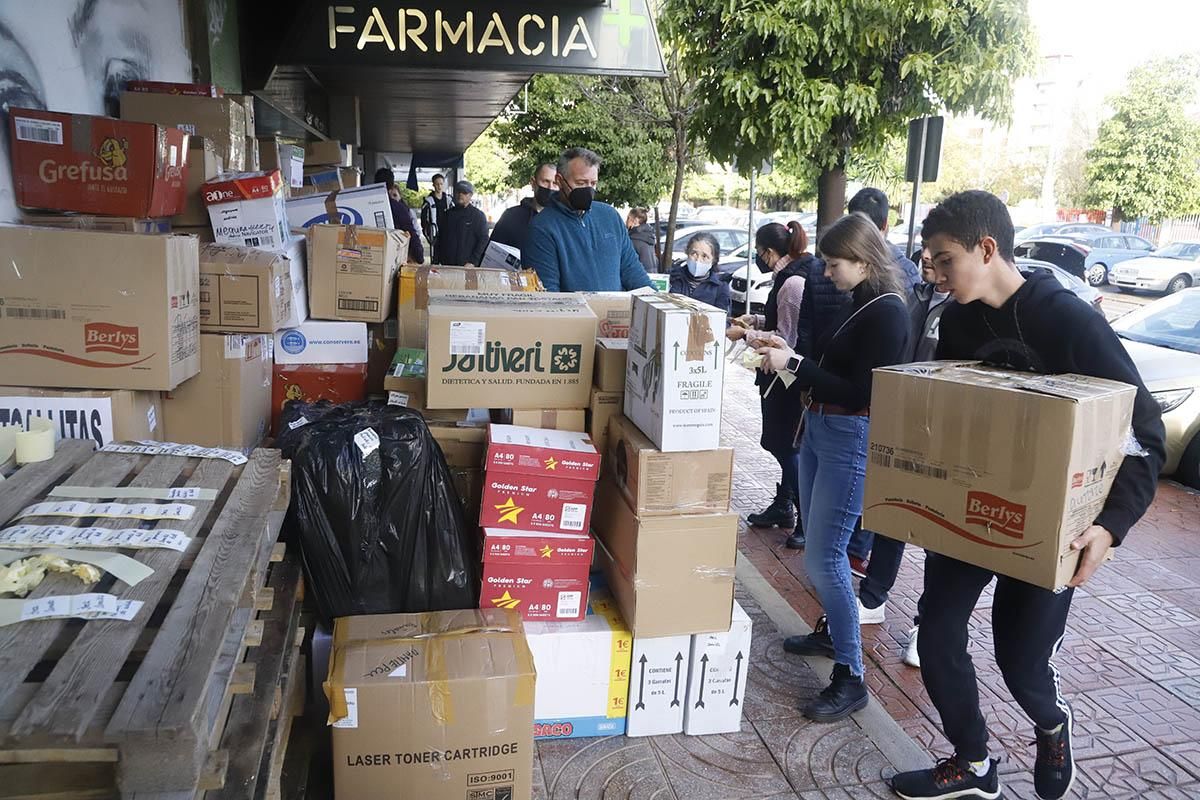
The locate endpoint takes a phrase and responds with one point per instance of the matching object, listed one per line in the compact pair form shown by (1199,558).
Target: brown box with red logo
(97,309)
(544,576)
(998,469)
(538,479)
(96,165)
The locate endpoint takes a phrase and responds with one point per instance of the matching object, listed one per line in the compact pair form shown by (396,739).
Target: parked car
(1090,295)
(729,239)
(1163,339)
(1169,269)
(680,225)
(758,291)
(1058,229)
(1089,257)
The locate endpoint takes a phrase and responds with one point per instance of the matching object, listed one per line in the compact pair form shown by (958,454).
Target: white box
(675,372)
(501,256)
(247,210)
(315,342)
(658,673)
(297,253)
(717,679)
(366,205)
(582,673)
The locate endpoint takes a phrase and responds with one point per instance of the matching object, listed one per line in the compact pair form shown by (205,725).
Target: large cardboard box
(541,575)
(229,403)
(99,416)
(614,311)
(671,575)
(603,407)
(415,284)
(717,680)
(658,679)
(96,165)
(432,705)
(352,271)
(308,383)
(244,290)
(612,357)
(562,419)
(655,483)
(366,205)
(316,342)
(676,370)
(997,469)
(287,158)
(582,673)
(204,165)
(328,152)
(248,209)
(98,310)
(533,349)
(221,119)
(463,447)
(91,222)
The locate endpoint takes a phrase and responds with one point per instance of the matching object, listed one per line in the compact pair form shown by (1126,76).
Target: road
(1118,304)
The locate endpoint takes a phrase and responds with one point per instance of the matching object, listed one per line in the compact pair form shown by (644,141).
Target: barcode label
(39,130)
(568,604)
(358,305)
(252,241)
(918,468)
(573,515)
(467,338)
(35,313)
(881,459)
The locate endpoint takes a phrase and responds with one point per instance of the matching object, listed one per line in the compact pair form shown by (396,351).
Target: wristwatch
(793,364)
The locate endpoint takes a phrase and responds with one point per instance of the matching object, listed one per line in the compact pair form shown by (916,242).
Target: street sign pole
(912,214)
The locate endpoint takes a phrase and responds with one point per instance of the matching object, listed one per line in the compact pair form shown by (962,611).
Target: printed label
(573,515)
(149,511)
(25,536)
(467,338)
(88,606)
(367,440)
(299,423)
(151,448)
(151,419)
(568,604)
(43,131)
(351,718)
(398,399)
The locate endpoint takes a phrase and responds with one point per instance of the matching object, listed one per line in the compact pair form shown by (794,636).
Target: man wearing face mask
(513,227)
(698,277)
(464,232)
(578,244)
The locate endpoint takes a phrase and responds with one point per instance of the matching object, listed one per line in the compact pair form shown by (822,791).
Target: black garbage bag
(374,508)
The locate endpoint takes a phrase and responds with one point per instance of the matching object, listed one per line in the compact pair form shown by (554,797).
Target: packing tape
(146,511)
(123,568)
(66,536)
(84,606)
(37,443)
(331,210)
(421,289)
(127,492)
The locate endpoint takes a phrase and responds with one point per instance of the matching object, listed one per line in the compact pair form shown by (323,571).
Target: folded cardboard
(98,416)
(352,271)
(613,310)
(328,152)
(655,483)
(287,158)
(582,673)
(229,403)
(91,222)
(98,310)
(248,209)
(221,119)
(658,675)
(415,284)
(533,349)
(316,342)
(501,256)
(543,576)
(670,575)
(612,356)
(204,164)
(603,407)
(243,289)
(998,469)
(308,383)
(432,705)
(563,419)
(366,205)
(674,379)
(717,680)
(96,165)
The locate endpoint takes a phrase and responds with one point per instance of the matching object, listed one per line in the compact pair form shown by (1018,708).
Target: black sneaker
(780,514)
(817,643)
(845,694)
(950,777)
(1054,769)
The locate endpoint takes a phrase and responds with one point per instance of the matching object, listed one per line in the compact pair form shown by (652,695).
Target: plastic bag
(374,508)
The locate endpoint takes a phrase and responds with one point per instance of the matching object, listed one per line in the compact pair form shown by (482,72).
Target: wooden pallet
(180,699)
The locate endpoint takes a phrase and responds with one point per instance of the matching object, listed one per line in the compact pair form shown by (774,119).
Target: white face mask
(698,269)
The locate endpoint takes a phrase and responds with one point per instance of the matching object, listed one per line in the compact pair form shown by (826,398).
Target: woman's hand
(735,333)
(746,321)
(775,354)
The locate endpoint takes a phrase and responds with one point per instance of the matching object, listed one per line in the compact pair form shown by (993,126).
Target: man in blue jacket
(578,244)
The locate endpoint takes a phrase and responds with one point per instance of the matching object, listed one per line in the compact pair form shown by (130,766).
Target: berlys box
(544,576)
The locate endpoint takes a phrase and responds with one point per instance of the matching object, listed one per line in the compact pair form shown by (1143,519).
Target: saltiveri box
(997,469)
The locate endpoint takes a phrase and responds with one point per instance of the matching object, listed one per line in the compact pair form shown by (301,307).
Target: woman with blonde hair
(870,332)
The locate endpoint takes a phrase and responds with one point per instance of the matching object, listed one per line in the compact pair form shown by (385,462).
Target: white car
(1170,269)
(758,291)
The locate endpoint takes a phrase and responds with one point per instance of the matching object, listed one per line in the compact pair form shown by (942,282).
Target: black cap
(464,187)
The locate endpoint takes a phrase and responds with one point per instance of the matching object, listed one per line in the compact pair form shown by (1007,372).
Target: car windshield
(1185,250)
(1172,322)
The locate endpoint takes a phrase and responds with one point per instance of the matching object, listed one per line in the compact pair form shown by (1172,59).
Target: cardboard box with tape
(415,284)
(328,152)
(612,357)
(274,153)
(614,311)
(541,575)
(603,407)
(366,205)
(247,209)
(98,416)
(91,222)
(562,419)
(998,469)
(655,483)
(204,165)
(352,271)
(229,403)
(96,165)
(244,290)
(219,119)
(441,704)
(717,679)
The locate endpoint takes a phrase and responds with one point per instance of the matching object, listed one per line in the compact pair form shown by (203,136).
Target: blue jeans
(833,465)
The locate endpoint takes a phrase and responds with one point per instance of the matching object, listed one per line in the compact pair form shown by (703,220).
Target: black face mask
(541,196)
(762,265)
(581,198)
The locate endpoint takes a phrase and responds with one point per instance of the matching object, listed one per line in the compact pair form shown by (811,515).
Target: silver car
(1168,270)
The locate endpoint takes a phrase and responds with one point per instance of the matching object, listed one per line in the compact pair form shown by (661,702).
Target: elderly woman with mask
(698,277)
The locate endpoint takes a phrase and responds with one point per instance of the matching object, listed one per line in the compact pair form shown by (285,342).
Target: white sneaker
(911,656)
(870,616)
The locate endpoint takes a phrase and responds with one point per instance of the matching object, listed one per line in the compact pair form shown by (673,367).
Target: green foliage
(486,162)
(411,197)
(1146,160)
(968,164)
(602,115)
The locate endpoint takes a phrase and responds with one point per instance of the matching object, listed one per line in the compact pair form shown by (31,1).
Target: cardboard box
(315,342)
(563,419)
(96,165)
(297,254)
(405,379)
(614,311)
(582,673)
(253,155)
(534,350)
(676,370)
(381,348)
(536,452)
(367,205)
(717,680)
(612,355)
(1016,466)
(247,209)
(229,403)
(337,383)
(287,158)
(324,179)
(221,119)
(90,222)
(670,575)
(546,503)
(656,483)
(432,705)
(204,164)
(328,152)
(603,407)
(462,447)
(101,416)
(164,87)
(352,271)
(202,234)
(99,310)
(351,177)
(542,576)
(247,101)
(415,284)
(243,289)
(658,675)
(501,256)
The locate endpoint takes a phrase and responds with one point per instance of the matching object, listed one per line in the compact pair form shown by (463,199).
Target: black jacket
(1045,328)
(512,228)
(433,212)
(821,303)
(402,221)
(643,244)
(714,289)
(462,237)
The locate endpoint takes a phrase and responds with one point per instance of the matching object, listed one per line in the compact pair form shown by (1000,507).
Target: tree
(823,80)
(486,162)
(1146,160)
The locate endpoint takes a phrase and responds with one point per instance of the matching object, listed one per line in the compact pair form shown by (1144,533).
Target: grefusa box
(544,576)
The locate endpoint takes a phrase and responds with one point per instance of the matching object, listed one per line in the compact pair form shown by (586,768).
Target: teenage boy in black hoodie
(1031,324)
